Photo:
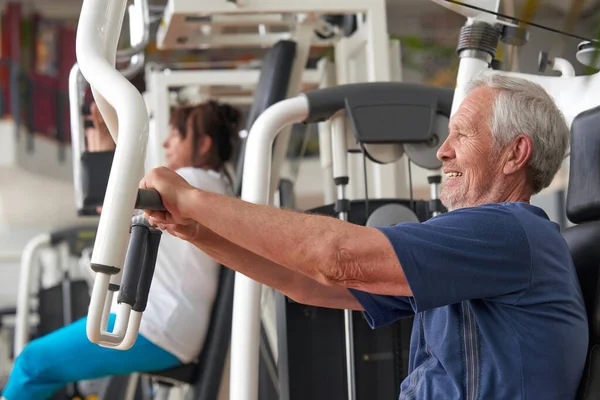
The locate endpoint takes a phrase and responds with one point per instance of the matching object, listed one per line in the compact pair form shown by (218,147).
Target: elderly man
(499,311)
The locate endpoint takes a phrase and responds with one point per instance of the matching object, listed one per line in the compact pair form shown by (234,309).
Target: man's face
(469,161)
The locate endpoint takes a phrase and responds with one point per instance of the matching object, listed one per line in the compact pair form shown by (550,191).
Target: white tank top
(184,285)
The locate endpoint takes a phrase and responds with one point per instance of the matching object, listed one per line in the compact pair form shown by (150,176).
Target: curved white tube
(97,35)
(97,320)
(23,298)
(109,38)
(564,67)
(131,335)
(245,335)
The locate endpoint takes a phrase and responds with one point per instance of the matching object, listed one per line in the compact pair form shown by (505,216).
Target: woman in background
(201,140)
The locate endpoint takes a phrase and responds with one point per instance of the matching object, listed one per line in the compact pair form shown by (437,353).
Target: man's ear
(518,154)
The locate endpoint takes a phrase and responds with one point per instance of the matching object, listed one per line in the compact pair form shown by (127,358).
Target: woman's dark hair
(219,121)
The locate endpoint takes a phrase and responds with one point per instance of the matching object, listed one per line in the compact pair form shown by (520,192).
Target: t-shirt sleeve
(188,175)
(382,310)
(473,253)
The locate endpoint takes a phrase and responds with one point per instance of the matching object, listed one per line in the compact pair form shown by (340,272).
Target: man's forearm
(327,250)
(296,286)
(286,238)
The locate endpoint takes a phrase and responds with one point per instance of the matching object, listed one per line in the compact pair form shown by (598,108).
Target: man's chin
(451,203)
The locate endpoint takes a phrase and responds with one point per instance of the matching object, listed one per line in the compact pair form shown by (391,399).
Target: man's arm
(296,286)
(334,253)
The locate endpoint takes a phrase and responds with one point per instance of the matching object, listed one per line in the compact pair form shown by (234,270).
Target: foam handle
(143,288)
(133,267)
(149,199)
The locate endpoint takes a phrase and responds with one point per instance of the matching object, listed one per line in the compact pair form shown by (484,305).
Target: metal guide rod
(435,203)
(342,208)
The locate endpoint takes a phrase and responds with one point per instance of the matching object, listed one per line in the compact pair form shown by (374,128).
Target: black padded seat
(583,208)
(186,373)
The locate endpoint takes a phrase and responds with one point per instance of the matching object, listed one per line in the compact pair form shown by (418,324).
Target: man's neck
(516,190)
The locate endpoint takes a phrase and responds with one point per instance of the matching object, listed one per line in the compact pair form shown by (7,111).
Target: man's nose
(446,151)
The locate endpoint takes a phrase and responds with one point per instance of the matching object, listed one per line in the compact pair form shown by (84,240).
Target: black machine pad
(583,208)
(95,170)
(583,196)
(272,88)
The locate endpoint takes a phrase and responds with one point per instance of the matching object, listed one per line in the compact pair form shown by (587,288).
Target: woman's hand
(98,137)
(177,196)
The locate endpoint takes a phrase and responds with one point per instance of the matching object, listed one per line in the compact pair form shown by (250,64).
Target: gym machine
(281,74)
(356,29)
(115,96)
(423,111)
(476,49)
(59,289)
(369,37)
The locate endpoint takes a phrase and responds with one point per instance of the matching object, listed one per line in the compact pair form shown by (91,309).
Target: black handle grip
(132,269)
(149,199)
(143,289)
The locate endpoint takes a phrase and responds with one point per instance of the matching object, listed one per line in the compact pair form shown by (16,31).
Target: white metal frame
(256,189)
(28,259)
(159,83)
(371,40)
(188,24)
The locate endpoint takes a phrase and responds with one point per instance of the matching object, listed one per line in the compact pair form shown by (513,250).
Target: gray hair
(522,107)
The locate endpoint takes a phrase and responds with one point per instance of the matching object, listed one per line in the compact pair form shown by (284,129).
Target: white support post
(344,51)
(245,335)
(327,70)
(389,180)
(302,39)
(396,61)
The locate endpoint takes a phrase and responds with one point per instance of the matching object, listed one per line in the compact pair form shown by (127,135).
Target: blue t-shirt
(498,308)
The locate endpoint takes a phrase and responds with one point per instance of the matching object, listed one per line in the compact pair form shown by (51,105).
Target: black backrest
(583,208)
(583,195)
(51,307)
(272,88)
(214,352)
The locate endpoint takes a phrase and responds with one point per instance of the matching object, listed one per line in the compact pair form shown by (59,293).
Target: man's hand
(176,195)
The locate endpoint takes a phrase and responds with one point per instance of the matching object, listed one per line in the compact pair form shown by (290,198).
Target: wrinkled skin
(487,174)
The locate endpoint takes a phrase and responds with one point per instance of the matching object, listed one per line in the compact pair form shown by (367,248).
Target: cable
(460,3)
(366,184)
(410,186)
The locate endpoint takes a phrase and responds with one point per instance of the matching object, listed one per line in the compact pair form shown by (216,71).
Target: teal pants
(66,355)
